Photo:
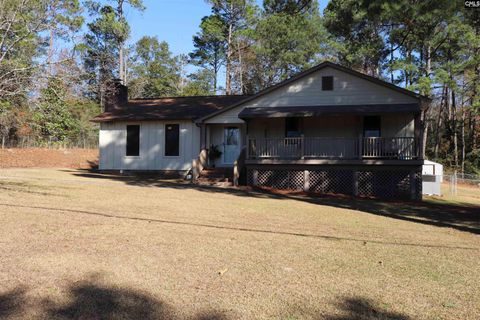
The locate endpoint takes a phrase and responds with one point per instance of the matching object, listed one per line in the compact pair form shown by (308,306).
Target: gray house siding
(152,141)
(347,90)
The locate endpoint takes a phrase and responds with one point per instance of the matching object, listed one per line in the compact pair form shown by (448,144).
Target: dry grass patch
(95,246)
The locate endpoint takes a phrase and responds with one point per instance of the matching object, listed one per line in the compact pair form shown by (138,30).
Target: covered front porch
(287,138)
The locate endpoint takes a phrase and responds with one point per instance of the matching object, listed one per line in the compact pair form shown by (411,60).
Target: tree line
(58,59)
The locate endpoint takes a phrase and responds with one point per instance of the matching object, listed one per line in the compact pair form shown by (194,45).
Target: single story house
(329,129)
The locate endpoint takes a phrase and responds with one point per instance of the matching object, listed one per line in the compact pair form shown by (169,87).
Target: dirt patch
(49,158)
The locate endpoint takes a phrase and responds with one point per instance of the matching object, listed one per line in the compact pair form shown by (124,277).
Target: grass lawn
(76,245)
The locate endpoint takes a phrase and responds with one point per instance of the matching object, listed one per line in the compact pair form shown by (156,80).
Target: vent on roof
(327,83)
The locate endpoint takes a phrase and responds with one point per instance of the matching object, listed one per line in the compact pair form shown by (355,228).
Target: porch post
(360,147)
(195,170)
(306,180)
(203,136)
(418,134)
(355,183)
(302,146)
(245,134)
(203,147)
(360,137)
(413,187)
(247,145)
(255,177)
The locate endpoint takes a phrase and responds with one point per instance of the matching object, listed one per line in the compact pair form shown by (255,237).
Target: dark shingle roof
(172,108)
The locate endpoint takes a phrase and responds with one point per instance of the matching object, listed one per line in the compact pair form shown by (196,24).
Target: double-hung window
(372,126)
(172,140)
(133,141)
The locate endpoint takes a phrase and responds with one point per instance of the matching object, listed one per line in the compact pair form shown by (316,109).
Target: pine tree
(52,116)
(154,71)
(100,49)
(287,39)
(210,45)
(234,14)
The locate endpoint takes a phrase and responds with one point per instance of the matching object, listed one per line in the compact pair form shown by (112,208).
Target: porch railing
(402,148)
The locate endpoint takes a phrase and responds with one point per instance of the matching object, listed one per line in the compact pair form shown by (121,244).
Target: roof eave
(95,120)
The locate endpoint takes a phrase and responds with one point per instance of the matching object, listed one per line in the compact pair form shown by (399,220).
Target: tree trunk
(407,73)
(425,125)
(125,67)
(475,94)
(474,132)
(121,70)
(438,123)
(447,120)
(240,68)
(50,51)
(228,84)
(120,63)
(101,88)
(463,139)
(391,56)
(215,71)
(428,68)
(454,128)
(391,66)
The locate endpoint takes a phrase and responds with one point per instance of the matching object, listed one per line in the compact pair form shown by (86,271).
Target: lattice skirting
(382,182)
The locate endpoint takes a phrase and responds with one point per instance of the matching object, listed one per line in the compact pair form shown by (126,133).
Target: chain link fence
(461,184)
(81,142)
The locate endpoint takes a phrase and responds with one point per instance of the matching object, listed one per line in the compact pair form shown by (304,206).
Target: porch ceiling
(314,111)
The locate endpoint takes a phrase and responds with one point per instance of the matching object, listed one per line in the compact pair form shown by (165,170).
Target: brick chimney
(116,96)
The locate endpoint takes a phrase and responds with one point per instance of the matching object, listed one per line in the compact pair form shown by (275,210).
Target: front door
(231,144)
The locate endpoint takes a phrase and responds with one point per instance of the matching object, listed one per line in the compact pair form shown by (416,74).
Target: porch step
(216,176)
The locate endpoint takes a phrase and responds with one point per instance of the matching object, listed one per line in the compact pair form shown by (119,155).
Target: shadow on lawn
(360,308)
(12,302)
(463,217)
(91,299)
(349,308)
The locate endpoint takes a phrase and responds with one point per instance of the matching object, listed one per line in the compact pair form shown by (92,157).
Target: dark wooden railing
(402,148)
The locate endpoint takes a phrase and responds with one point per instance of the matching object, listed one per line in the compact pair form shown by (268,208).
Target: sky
(176,22)
(173,21)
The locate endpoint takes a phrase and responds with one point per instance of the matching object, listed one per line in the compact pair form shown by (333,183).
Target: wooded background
(58,58)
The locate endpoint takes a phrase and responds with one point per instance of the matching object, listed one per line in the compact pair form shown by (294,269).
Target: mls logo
(472,4)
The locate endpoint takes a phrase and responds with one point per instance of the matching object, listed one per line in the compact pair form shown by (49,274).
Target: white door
(231,144)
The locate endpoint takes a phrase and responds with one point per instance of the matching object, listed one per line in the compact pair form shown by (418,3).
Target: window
(371,126)
(292,127)
(133,140)
(327,83)
(172,140)
(231,136)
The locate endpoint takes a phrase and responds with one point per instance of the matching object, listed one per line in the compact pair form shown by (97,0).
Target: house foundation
(384,182)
